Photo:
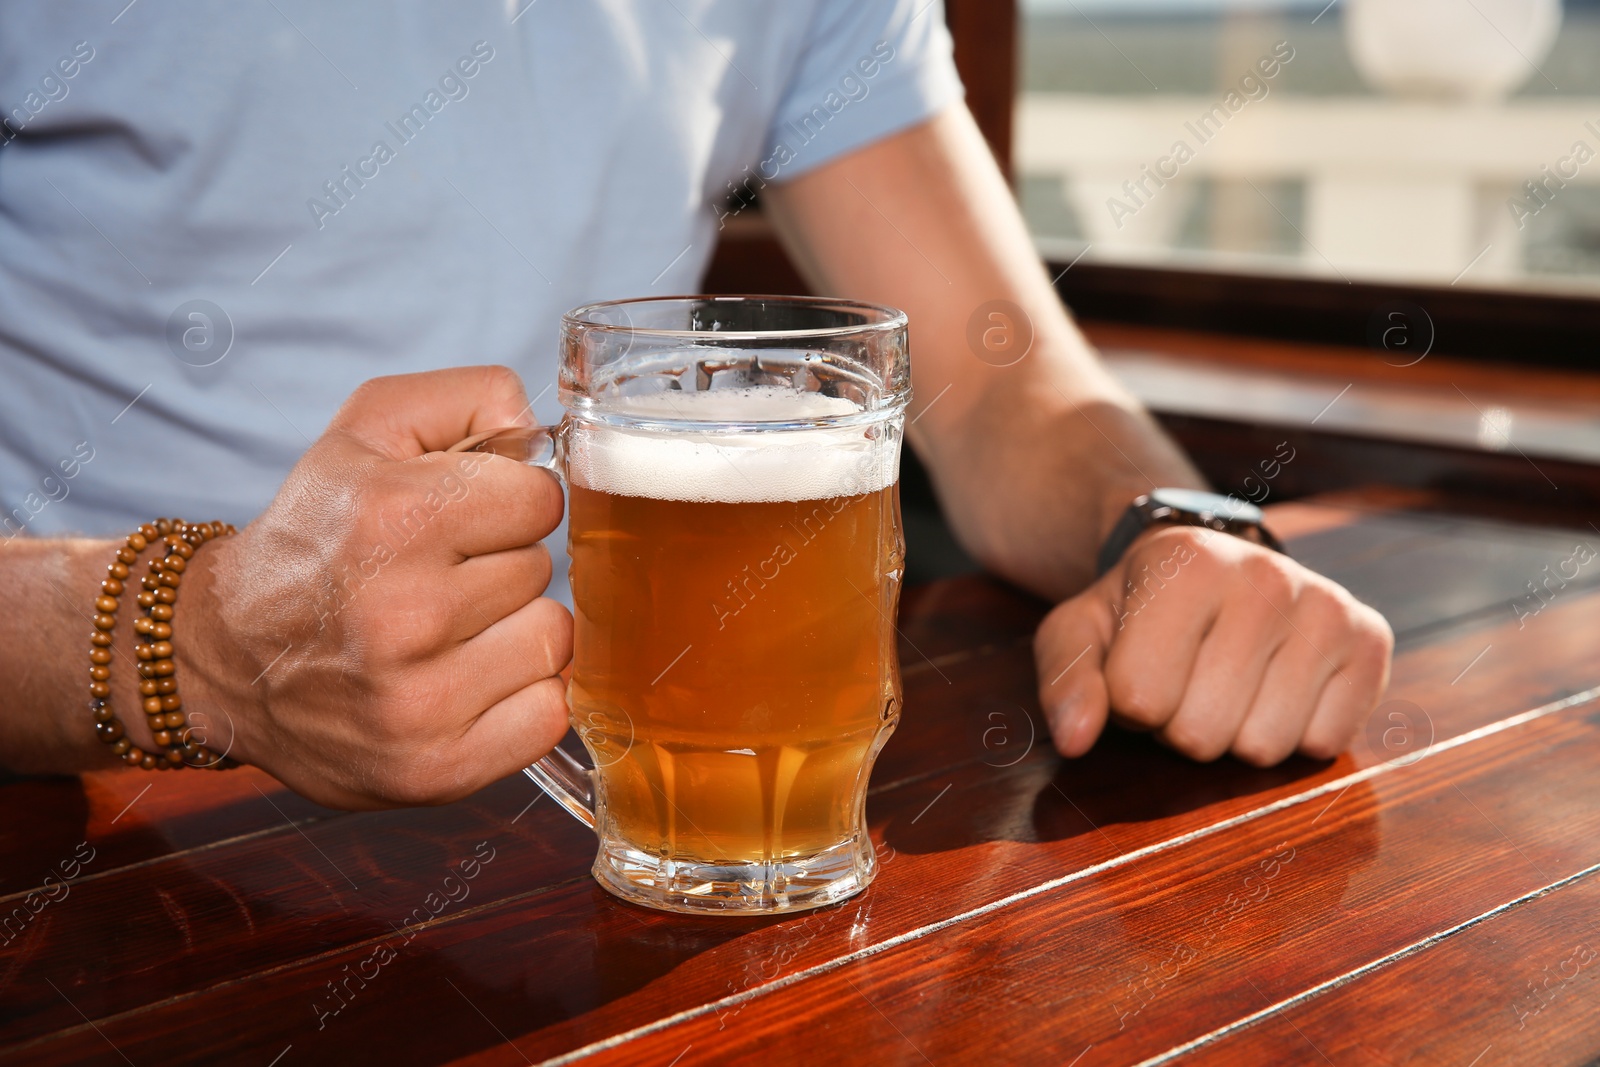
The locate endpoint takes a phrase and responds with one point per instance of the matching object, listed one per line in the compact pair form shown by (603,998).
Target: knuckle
(374,393)
(1325,742)
(500,377)
(1194,739)
(1140,703)
(1270,576)
(538,502)
(1258,750)
(1053,632)
(364,394)
(556,638)
(1374,637)
(404,627)
(418,766)
(384,499)
(537,571)
(400,718)
(1324,616)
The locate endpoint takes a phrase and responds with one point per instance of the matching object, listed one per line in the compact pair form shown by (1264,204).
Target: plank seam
(301,961)
(921,932)
(615,1040)
(193,850)
(1366,968)
(332,816)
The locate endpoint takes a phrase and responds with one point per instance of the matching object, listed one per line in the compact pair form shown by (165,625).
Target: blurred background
(1364,233)
(1396,144)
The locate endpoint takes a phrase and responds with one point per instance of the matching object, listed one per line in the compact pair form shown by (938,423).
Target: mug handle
(568,782)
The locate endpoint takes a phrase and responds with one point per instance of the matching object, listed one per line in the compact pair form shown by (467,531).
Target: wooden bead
(157,592)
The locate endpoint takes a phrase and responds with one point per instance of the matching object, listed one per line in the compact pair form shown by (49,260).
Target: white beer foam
(736,468)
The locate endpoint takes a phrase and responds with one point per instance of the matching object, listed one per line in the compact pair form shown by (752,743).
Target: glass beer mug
(731,466)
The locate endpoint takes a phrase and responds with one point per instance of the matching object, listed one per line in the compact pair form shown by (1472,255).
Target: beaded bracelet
(158,686)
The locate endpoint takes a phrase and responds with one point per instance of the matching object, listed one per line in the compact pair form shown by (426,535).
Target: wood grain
(1125,963)
(217,923)
(1521,986)
(1013,825)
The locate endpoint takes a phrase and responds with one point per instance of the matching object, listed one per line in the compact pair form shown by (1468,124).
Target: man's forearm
(1034,455)
(1059,470)
(45,723)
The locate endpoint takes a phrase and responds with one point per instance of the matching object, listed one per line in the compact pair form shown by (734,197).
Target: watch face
(1196,502)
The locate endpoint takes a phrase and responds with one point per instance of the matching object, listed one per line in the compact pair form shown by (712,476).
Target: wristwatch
(1185,507)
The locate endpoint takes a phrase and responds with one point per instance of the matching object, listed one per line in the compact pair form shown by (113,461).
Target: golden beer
(734,668)
(732,468)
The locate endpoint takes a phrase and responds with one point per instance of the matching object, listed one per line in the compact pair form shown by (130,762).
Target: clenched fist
(1217,645)
(377,635)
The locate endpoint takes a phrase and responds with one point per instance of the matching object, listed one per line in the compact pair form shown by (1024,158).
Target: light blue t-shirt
(217,220)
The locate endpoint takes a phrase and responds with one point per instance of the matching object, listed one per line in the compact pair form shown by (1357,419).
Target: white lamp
(1450,49)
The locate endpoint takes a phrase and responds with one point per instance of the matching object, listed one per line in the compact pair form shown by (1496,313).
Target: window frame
(1512,324)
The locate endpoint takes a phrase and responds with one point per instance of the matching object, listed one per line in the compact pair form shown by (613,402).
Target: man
(215,230)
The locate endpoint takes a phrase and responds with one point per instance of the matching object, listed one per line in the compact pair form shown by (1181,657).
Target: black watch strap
(1185,507)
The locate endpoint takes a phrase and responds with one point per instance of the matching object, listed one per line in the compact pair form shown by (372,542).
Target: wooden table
(1429,897)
